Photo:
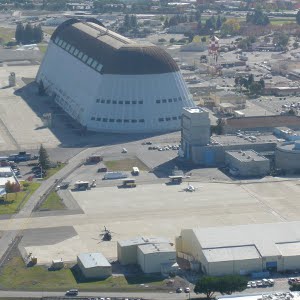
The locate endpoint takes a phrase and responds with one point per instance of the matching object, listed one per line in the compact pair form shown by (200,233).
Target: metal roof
(143,240)
(246,155)
(231,253)
(156,248)
(117,54)
(92,260)
(268,238)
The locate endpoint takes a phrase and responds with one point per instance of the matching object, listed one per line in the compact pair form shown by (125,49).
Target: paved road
(154,296)
(20,219)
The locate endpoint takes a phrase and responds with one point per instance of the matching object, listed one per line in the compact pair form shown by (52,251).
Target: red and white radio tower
(213,50)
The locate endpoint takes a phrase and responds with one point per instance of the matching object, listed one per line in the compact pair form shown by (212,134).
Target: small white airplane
(190,188)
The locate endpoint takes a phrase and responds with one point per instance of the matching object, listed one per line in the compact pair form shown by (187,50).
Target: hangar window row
(105,120)
(170,100)
(167,119)
(102,101)
(78,54)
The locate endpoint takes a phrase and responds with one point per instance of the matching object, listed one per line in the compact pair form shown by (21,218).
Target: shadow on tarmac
(69,132)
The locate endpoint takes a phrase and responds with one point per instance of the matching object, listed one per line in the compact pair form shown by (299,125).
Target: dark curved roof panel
(117,54)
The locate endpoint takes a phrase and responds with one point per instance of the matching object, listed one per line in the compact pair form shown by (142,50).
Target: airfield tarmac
(159,210)
(20,126)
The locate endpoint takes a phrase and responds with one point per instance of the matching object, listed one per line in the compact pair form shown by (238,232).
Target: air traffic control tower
(195,130)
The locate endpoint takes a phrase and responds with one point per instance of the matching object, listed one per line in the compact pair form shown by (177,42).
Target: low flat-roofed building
(287,157)
(6,174)
(215,153)
(94,265)
(127,249)
(220,259)
(238,101)
(247,163)
(261,123)
(241,249)
(150,257)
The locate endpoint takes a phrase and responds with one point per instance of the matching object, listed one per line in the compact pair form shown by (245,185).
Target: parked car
(271,282)
(72,292)
(187,290)
(259,283)
(265,282)
(291,280)
(179,290)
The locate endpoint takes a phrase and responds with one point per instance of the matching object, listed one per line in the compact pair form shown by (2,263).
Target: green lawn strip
(52,171)
(12,202)
(42,48)
(39,278)
(7,34)
(125,165)
(52,202)
(282,21)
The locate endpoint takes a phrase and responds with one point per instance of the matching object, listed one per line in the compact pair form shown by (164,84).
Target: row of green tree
(129,24)
(254,87)
(28,34)
(258,17)
(228,284)
(211,24)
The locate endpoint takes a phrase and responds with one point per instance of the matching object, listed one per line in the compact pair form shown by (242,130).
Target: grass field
(48,30)
(280,21)
(12,202)
(125,164)
(7,34)
(52,202)
(52,171)
(42,48)
(40,278)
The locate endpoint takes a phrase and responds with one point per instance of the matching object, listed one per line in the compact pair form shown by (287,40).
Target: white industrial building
(6,174)
(247,163)
(94,265)
(151,257)
(287,157)
(195,129)
(241,249)
(110,83)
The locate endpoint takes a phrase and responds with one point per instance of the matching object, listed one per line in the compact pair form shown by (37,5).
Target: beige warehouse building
(241,249)
(151,257)
(127,249)
(94,265)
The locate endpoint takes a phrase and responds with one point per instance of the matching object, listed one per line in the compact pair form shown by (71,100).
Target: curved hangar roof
(117,54)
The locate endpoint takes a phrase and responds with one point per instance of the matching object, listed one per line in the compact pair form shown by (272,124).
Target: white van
(135,171)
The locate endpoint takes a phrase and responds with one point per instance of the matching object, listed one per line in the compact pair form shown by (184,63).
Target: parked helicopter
(106,235)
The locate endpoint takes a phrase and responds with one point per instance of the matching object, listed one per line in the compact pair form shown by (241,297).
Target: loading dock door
(271,265)
(209,158)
